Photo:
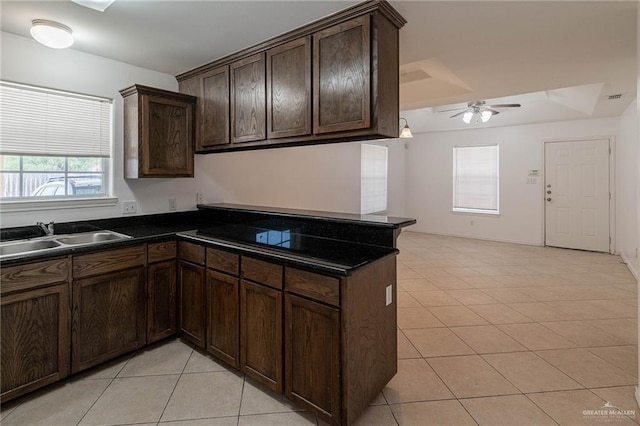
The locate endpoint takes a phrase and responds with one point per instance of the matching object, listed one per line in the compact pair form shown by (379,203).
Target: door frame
(612,186)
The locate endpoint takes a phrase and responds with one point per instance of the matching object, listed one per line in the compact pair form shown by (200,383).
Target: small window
(373,179)
(476,179)
(53,144)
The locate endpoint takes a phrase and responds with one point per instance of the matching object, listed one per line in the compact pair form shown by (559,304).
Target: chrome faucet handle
(48,228)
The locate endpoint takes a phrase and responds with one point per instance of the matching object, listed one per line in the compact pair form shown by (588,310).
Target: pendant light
(406,131)
(51,34)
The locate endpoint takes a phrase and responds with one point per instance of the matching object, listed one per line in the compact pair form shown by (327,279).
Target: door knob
(548,192)
(549,199)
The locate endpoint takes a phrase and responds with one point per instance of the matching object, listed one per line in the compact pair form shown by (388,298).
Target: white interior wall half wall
(429,178)
(319,177)
(627,147)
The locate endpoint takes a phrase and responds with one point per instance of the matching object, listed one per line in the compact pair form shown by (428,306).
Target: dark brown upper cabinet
(158,133)
(289,89)
(212,118)
(341,77)
(248,108)
(333,80)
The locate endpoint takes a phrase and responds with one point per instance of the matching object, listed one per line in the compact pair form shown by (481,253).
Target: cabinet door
(222,317)
(214,108)
(191,280)
(312,351)
(167,137)
(108,317)
(161,306)
(261,334)
(289,89)
(35,339)
(248,99)
(341,77)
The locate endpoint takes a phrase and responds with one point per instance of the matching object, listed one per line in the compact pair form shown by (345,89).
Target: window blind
(475,178)
(373,182)
(36,121)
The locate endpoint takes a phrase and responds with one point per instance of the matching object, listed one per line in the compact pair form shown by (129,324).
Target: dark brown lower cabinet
(261,334)
(161,300)
(35,339)
(223,294)
(191,296)
(108,316)
(312,356)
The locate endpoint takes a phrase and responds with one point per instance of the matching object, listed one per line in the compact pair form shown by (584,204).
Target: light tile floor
(489,334)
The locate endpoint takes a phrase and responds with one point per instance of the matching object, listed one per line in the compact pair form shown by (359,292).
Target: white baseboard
(473,237)
(630,266)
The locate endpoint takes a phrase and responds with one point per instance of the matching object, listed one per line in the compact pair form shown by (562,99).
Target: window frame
(472,210)
(36,203)
(386,178)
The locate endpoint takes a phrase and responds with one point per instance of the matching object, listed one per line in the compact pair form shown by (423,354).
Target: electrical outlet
(199,198)
(389,295)
(172,204)
(129,207)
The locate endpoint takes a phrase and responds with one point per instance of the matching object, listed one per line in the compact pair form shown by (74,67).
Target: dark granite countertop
(322,254)
(350,218)
(275,236)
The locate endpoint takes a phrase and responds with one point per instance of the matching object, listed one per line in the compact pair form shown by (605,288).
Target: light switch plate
(389,295)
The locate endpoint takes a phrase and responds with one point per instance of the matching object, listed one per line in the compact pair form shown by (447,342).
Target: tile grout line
(176,385)
(113,379)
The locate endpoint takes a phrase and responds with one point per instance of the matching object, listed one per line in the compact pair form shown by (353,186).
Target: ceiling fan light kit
(479,111)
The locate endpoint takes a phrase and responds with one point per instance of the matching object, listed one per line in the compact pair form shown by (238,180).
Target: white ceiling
(450,51)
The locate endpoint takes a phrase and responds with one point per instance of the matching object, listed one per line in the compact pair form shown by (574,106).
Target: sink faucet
(46,227)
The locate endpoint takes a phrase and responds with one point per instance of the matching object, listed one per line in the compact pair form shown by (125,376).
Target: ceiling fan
(480,110)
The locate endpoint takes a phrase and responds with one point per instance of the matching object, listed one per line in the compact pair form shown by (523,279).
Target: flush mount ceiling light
(51,34)
(406,131)
(99,5)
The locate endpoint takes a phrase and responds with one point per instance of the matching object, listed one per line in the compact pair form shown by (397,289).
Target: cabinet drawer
(262,272)
(86,265)
(35,274)
(164,250)
(314,286)
(191,252)
(223,261)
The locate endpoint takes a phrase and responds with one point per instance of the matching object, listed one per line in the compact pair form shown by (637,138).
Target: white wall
(323,177)
(429,178)
(627,188)
(320,177)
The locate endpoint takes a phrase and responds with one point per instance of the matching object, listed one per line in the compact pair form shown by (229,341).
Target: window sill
(69,203)
(476,212)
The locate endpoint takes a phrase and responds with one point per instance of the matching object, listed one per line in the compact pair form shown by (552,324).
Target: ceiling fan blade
(493,111)
(458,114)
(504,106)
(452,109)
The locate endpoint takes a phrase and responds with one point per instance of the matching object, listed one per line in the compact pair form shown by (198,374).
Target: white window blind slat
(36,121)
(476,178)
(373,184)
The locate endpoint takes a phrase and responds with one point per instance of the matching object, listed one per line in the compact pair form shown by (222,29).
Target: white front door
(577,194)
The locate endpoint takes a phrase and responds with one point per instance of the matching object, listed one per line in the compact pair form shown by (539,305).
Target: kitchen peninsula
(303,302)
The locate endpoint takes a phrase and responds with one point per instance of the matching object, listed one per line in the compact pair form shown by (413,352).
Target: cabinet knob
(548,198)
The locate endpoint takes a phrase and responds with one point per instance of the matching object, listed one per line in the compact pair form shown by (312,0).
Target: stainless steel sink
(22,247)
(56,242)
(90,237)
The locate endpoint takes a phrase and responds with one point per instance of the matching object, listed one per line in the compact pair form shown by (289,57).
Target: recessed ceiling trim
(99,5)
